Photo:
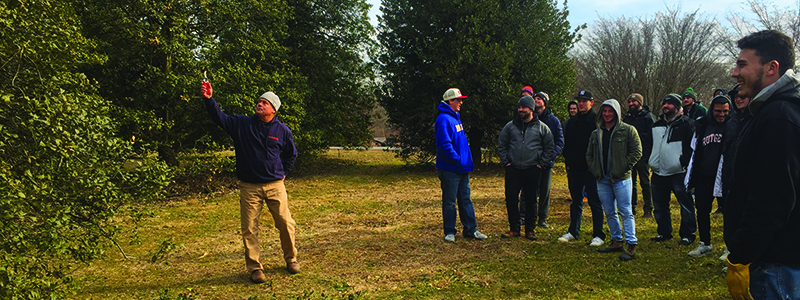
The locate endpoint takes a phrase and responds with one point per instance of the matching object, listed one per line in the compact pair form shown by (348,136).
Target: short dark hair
(771,45)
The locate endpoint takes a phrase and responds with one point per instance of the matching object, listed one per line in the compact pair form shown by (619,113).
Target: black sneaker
(686,242)
(660,238)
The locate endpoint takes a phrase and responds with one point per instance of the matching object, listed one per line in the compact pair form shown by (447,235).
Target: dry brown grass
(370,227)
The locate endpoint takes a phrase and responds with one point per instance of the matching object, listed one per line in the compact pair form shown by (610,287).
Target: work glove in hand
(739,281)
(206,89)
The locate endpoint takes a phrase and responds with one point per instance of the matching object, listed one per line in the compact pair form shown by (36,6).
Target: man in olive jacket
(614,148)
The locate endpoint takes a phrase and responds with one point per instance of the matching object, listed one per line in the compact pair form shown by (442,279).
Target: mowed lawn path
(370,227)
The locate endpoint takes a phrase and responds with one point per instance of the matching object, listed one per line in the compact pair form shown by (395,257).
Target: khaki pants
(252,197)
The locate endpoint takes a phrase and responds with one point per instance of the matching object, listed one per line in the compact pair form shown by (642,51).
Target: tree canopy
(488,50)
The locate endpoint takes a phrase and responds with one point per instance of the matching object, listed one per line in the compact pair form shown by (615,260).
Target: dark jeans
(774,281)
(642,171)
(526,180)
(662,187)
(455,189)
(577,181)
(703,199)
(544,197)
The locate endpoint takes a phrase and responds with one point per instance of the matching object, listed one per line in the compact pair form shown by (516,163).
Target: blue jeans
(662,186)
(455,189)
(774,281)
(577,181)
(616,196)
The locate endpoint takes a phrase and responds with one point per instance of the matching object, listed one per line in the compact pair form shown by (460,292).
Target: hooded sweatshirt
(452,148)
(762,217)
(613,151)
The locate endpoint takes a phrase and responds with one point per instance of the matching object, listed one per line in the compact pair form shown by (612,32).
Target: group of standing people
(744,150)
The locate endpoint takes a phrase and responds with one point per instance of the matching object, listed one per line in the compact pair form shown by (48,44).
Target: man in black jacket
(762,218)
(642,119)
(576,141)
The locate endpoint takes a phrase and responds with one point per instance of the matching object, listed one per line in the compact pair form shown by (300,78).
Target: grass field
(370,227)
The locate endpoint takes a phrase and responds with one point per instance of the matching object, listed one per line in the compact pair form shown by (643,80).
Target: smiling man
(762,220)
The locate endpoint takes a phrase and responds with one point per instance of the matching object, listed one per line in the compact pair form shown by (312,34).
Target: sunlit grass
(369,226)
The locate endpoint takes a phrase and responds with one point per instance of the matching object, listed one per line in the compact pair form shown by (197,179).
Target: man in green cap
(691,107)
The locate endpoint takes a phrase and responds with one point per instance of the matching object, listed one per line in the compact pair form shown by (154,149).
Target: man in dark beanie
(642,119)
(672,137)
(525,147)
(576,142)
(691,107)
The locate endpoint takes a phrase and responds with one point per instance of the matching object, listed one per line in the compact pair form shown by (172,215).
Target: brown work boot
(258,276)
(510,234)
(530,235)
(616,246)
(293,267)
(629,253)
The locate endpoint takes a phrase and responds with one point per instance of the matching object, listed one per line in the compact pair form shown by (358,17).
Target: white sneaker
(566,238)
(724,257)
(702,249)
(479,236)
(450,238)
(597,242)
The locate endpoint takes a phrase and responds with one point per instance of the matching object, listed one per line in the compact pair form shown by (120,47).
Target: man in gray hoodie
(525,148)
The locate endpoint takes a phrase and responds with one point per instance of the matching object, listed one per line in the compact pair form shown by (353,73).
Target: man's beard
(525,115)
(756,86)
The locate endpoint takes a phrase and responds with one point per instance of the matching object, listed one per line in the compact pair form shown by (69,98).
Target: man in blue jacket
(546,116)
(453,164)
(265,152)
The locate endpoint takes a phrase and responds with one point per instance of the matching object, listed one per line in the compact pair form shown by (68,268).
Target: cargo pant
(252,197)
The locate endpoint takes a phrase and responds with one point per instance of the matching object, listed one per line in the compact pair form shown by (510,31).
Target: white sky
(588,11)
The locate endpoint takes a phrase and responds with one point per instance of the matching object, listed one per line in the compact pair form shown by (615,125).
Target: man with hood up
(525,147)
(704,166)
(642,119)
(672,150)
(614,148)
(762,217)
(453,164)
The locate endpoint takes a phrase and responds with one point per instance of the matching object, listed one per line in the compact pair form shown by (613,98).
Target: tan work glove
(739,281)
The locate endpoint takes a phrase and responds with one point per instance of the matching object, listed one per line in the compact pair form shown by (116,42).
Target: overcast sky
(588,11)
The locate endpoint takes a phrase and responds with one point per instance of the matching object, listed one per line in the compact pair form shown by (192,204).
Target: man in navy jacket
(265,152)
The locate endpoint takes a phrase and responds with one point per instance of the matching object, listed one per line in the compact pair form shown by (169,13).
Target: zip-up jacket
(525,145)
(698,111)
(452,148)
(762,217)
(554,124)
(576,140)
(672,147)
(265,151)
(624,148)
(643,121)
